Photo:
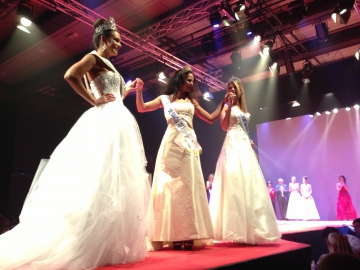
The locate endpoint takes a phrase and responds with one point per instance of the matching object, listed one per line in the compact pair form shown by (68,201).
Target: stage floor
(227,254)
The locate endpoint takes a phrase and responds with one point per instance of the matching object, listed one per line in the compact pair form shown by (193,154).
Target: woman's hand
(226,99)
(104,99)
(139,84)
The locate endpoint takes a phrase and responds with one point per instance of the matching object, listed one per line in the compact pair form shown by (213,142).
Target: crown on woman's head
(234,79)
(186,68)
(106,25)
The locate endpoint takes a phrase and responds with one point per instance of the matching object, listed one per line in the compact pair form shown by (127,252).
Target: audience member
(356,225)
(338,261)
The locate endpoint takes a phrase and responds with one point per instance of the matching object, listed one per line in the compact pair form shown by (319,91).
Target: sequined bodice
(235,118)
(185,111)
(107,83)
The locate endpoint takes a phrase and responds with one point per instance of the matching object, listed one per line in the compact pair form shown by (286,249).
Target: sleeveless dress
(309,211)
(178,196)
(88,205)
(345,209)
(240,206)
(294,205)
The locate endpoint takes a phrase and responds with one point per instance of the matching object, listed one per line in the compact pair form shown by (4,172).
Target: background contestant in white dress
(178,196)
(88,206)
(310,211)
(295,202)
(240,205)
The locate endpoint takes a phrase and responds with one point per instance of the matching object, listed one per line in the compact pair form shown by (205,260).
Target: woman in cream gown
(240,206)
(178,193)
(88,206)
(310,211)
(295,201)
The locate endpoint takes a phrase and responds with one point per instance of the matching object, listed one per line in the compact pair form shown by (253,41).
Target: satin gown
(88,204)
(294,210)
(309,211)
(240,206)
(179,198)
(345,209)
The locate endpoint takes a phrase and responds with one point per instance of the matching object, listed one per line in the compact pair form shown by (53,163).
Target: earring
(103,47)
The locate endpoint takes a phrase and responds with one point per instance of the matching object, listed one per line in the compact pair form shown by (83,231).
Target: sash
(185,131)
(110,65)
(244,123)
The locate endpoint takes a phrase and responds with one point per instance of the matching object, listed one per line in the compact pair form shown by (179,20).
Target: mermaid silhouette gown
(88,206)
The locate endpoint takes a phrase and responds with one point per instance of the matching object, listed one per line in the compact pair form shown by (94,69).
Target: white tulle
(88,203)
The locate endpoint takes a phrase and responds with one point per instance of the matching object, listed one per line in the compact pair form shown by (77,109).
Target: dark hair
(337,261)
(356,221)
(105,33)
(305,177)
(268,182)
(327,231)
(342,177)
(177,81)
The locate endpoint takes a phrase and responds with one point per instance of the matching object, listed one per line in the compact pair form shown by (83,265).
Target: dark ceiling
(32,65)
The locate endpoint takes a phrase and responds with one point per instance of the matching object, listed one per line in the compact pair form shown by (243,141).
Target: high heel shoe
(177,245)
(188,245)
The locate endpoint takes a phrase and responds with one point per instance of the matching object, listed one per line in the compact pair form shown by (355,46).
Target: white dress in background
(87,207)
(295,202)
(310,211)
(240,206)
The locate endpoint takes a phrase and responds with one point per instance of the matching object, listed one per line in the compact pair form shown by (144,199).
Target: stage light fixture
(341,15)
(318,114)
(204,89)
(356,106)
(295,104)
(236,59)
(25,12)
(241,10)
(306,72)
(161,73)
(215,19)
(209,46)
(357,54)
(335,110)
(226,10)
(327,112)
(311,115)
(289,65)
(226,21)
(266,49)
(322,31)
(274,66)
(23,28)
(347,109)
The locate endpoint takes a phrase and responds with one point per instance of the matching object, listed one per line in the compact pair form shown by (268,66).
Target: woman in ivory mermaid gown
(240,206)
(178,196)
(88,206)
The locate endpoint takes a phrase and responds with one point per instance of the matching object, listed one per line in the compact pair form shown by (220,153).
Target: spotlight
(23,28)
(209,45)
(341,15)
(204,89)
(310,115)
(161,73)
(290,69)
(295,104)
(327,112)
(356,106)
(335,110)
(306,72)
(226,10)
(226,21)
(241,10)
(318,114)
(322,32)
(215,19)
(207,96)
(357,54)
(236,59)
(265,50)
(288,118)
(274,66)
(347,109)
(25,12)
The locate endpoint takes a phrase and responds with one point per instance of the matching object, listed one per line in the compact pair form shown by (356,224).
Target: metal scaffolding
(87,16)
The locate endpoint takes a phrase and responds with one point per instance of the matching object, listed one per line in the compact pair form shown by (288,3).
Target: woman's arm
(73,77)
(338,187)
(148,106)
(204,115)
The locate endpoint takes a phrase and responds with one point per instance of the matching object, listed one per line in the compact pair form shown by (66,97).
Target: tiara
(234,79)
(106,25)
(186,68)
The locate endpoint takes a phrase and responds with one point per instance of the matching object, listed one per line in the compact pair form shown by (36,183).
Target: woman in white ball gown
(295,202)
(240,206)
(310,211)
(88,206)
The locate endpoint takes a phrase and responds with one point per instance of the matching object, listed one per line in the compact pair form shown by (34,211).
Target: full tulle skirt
(89,203)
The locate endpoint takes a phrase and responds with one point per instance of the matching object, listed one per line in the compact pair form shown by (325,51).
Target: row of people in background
(293,198)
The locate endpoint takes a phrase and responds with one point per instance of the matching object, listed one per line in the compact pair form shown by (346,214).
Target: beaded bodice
(294,187)
(107,83)
(235,118)
(185,111)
